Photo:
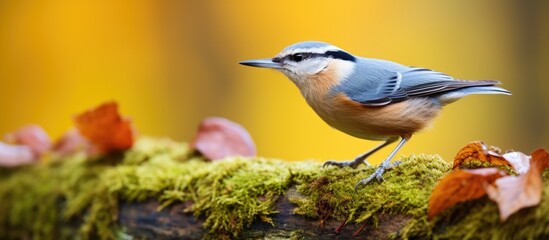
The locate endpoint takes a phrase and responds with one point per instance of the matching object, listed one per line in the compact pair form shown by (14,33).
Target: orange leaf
(514,193)
(460,186)
(478,151)
(105,128)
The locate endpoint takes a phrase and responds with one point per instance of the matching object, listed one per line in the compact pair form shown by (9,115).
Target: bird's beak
(263,63)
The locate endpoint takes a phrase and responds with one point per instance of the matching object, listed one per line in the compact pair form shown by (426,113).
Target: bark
(143,220)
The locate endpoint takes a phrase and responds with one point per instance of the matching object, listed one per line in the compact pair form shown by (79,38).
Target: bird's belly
(376,123)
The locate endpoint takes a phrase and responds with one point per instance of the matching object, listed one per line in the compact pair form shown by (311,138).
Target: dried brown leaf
(478,151)
(540,159)
(461,185)
(513,193)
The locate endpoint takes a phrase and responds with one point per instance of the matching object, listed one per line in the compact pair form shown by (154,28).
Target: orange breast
(375,123)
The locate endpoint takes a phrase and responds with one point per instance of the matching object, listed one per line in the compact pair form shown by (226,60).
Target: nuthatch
(369,98)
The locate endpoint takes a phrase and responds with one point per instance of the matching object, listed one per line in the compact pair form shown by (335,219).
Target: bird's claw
(394,164)
(352,164)
(378,174)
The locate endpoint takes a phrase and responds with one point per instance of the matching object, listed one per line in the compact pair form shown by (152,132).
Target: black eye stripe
(298,57)
(341,55)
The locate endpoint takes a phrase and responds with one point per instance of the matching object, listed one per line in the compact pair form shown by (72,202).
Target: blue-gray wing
(397,83)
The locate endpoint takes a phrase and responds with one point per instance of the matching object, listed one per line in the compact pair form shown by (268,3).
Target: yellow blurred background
(170,64)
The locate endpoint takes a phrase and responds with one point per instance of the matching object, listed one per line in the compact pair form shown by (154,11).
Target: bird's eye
(298,57)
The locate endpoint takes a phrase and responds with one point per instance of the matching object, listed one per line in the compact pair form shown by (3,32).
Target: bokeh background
(170,64)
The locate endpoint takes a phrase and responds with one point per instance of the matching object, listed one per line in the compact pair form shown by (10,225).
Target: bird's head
(302,61)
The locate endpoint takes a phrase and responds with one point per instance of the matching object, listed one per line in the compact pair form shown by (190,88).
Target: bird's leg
(378,174)
(360,159)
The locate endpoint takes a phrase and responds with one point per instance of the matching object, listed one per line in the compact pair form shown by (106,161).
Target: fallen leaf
(15,155)
(513,193)
(478,151)
(518,160)
(71,142)
(461,185)
(105,128)
(540,159)
(218,138)
(33,136)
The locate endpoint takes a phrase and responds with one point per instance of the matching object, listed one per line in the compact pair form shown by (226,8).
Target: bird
(371,99)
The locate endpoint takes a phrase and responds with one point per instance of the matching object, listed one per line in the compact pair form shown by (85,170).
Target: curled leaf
(105,128)
(478,152)
(459,186)
(513,193)
(218,138)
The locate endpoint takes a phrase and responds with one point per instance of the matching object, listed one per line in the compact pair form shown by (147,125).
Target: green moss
(297,235)
(330,193)
(75,196)
(230,194)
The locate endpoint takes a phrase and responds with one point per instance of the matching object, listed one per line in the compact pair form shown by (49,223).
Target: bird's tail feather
(457,94)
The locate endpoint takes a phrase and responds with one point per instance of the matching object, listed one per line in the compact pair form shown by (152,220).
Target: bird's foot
(378,174)
(353,164)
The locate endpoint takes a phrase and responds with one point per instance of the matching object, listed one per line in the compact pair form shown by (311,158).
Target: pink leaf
(72,141)
(219,138)
(15,155)
(519,161)
(33,136)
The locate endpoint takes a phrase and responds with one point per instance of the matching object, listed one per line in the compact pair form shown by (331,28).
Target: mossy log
(159,190)
(143,220)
